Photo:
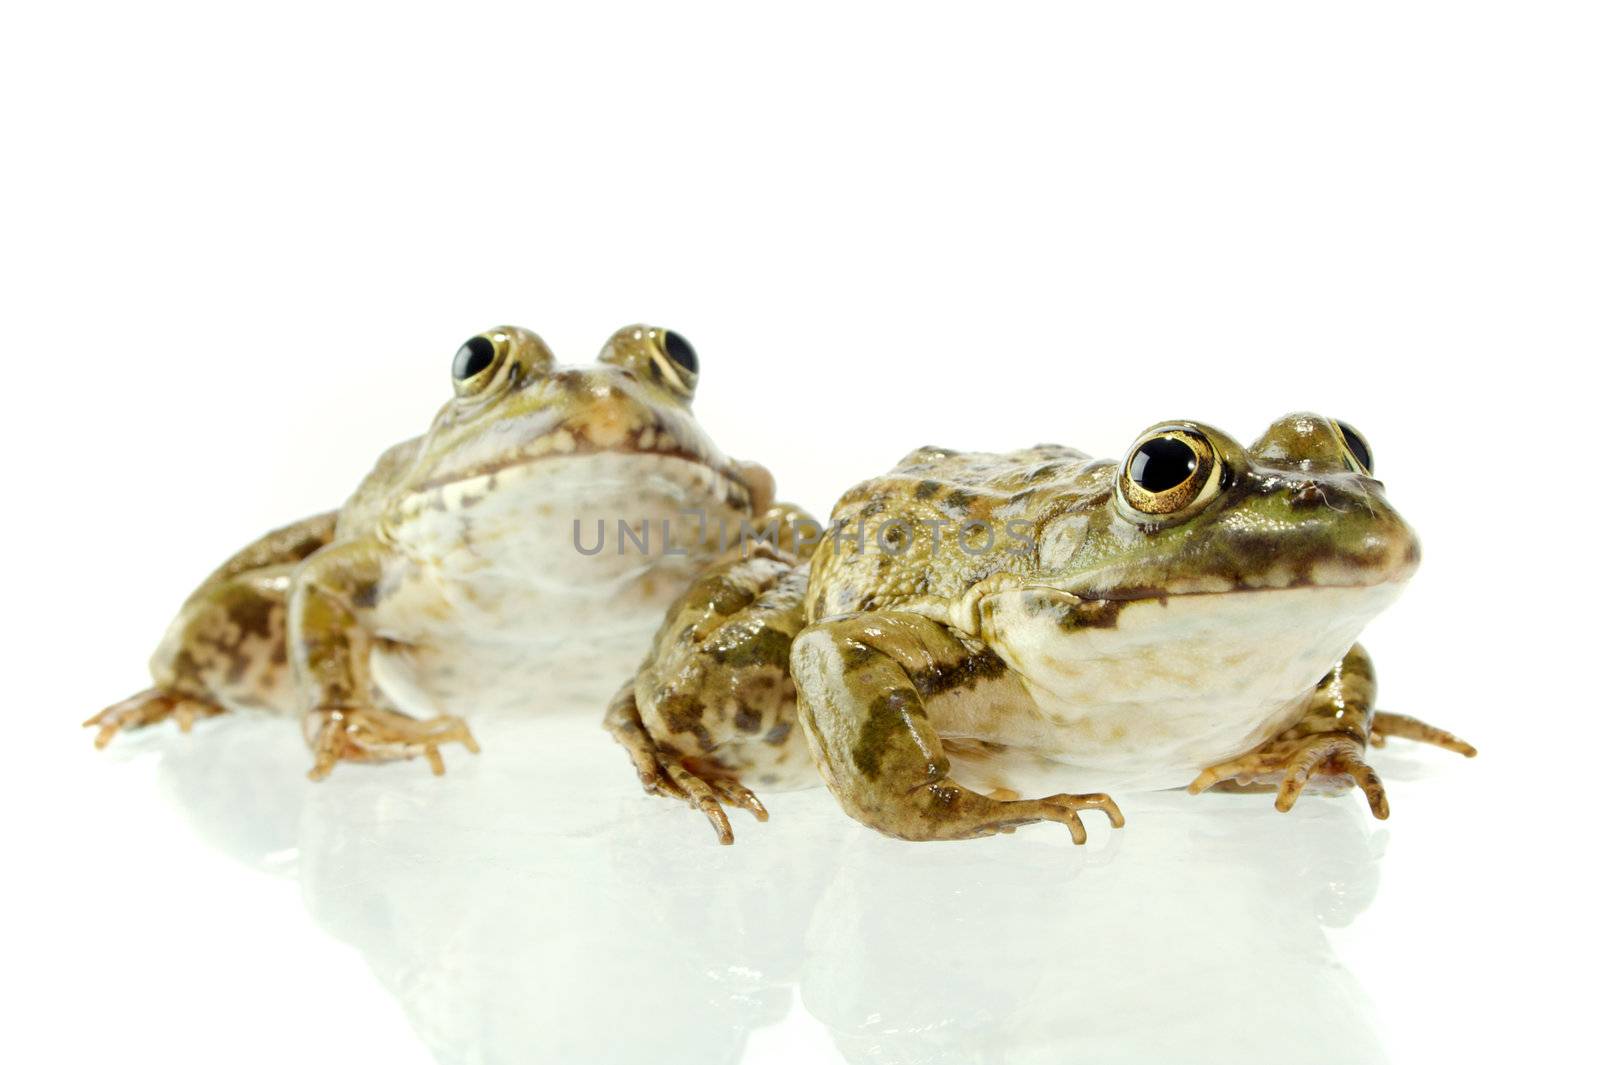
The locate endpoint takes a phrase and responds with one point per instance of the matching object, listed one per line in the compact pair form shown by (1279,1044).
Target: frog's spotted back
(941,521)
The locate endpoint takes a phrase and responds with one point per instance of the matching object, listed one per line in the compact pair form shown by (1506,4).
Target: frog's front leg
(331,649)
(866,683)
(712,704)
(1329,741)
(664,771)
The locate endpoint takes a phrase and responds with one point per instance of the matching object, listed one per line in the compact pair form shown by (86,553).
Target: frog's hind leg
(226,648)
(1328,745)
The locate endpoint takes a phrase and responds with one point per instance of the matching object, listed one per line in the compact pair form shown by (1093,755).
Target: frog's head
(529,446)
(1209,586)
(1191,511)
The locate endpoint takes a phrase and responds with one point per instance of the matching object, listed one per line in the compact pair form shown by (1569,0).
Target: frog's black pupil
(473,358)
(679,351)
(1357,445)
(1161,464)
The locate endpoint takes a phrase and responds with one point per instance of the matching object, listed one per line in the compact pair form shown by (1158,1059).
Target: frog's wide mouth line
(1161,595)
(668,457)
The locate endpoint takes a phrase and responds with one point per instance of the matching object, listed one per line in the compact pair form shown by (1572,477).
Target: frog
(973,629)
(469,571)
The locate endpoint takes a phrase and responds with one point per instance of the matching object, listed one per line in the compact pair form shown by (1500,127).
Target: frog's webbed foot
(663,771)
(1293,762)
(1385,725)
(368,734)
(150,707)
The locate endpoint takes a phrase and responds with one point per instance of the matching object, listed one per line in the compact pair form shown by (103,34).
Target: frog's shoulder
(377,489)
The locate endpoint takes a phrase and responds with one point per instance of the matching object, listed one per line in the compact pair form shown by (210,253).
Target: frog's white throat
(1169,686)
(503,571)
(558,523)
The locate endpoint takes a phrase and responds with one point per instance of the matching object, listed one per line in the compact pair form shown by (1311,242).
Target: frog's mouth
(701,480)
(584,524)
(1379,562)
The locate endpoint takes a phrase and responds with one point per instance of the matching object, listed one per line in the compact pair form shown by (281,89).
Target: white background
(241,245)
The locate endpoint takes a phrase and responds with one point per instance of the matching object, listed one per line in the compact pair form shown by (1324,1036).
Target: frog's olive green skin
(1091,624)
(454,579)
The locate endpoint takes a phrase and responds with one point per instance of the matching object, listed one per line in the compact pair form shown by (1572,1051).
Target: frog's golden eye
(657,356)
(680,351)
(504,359)
(1170,471)
(472,359)
(676,363)
(1358,453)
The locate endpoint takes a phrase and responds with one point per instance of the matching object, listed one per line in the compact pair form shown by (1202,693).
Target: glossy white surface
(532,906)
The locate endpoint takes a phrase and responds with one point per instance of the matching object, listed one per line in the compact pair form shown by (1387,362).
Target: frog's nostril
(1309,495)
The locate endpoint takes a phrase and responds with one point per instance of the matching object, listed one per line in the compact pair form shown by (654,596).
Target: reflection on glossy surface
(532,906)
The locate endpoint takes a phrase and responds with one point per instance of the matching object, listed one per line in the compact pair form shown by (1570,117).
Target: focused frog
(455,577)
(974,625)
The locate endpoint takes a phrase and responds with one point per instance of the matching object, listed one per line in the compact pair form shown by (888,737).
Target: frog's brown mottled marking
(965,672)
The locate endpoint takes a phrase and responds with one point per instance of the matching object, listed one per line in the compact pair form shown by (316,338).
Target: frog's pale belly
(513,603)
(520,647)
(1175,686)
(484,679)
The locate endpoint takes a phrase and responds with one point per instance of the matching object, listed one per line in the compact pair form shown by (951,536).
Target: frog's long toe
(149,707)
(731,791)
(1293,764)
(708,793)
(670,777)
(1069,805)
(701,795)
(1385,725)
(664,771)
(1332,756)
(367,734)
